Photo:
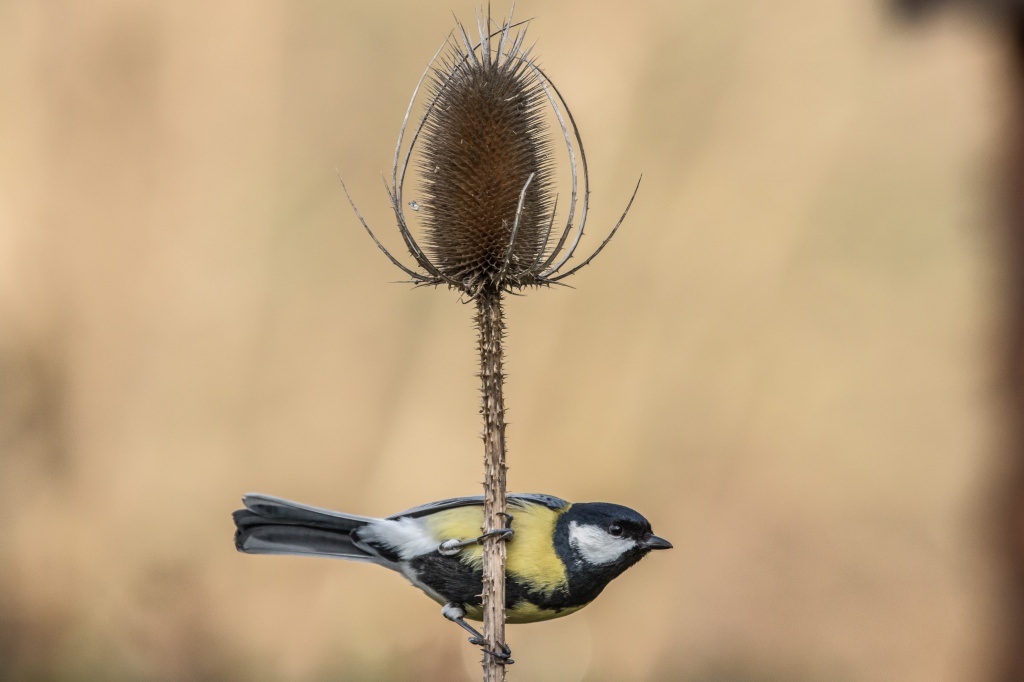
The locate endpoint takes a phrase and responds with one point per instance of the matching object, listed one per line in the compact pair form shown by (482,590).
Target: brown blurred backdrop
(786,360)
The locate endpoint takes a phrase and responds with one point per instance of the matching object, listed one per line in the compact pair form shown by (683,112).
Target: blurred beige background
(785,360)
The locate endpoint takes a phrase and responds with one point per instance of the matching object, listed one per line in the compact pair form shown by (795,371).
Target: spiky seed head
(483,139)
(486,173)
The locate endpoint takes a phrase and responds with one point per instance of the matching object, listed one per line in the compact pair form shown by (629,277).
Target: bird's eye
(615,530)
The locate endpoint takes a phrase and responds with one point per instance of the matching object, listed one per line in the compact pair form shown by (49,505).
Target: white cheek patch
(596,546)
(407,537)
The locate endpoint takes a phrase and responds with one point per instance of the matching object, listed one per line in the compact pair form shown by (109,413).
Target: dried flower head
(486,163)
(486,168)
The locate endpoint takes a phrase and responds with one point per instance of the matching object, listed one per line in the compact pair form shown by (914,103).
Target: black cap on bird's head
(598,538)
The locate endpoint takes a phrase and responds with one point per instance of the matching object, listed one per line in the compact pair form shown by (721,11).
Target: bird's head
(602,539)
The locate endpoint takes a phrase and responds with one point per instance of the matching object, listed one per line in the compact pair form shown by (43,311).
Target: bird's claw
(501,533)
(503,657)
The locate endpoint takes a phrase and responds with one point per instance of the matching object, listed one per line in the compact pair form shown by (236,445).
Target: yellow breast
(523,612)
(531,551)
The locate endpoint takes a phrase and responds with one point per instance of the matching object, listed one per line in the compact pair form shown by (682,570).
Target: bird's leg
(453,546)
(456,614)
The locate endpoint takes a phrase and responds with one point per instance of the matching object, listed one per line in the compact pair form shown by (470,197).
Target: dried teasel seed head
(486,172)
(486,169)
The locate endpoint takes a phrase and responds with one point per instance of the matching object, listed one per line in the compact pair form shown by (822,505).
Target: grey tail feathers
(270,525)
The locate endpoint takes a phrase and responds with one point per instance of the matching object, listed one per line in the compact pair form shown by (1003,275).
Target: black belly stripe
(460,583)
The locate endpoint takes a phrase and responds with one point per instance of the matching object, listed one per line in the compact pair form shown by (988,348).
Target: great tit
(560,555)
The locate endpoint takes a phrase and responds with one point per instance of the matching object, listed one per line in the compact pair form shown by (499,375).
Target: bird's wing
(549,501)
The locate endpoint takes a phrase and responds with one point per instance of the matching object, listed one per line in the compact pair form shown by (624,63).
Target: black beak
(654,542)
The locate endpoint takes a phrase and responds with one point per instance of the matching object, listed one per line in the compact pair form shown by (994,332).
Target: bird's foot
(453,546)
(503,657)
(457,615)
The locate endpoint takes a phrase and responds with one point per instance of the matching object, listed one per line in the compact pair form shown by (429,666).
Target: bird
(560,555)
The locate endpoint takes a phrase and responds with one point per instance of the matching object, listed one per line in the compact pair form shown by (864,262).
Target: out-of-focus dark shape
(916,7)
(1011,497)
(1008,510)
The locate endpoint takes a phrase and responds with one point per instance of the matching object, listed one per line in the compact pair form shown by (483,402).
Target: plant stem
(490,324)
